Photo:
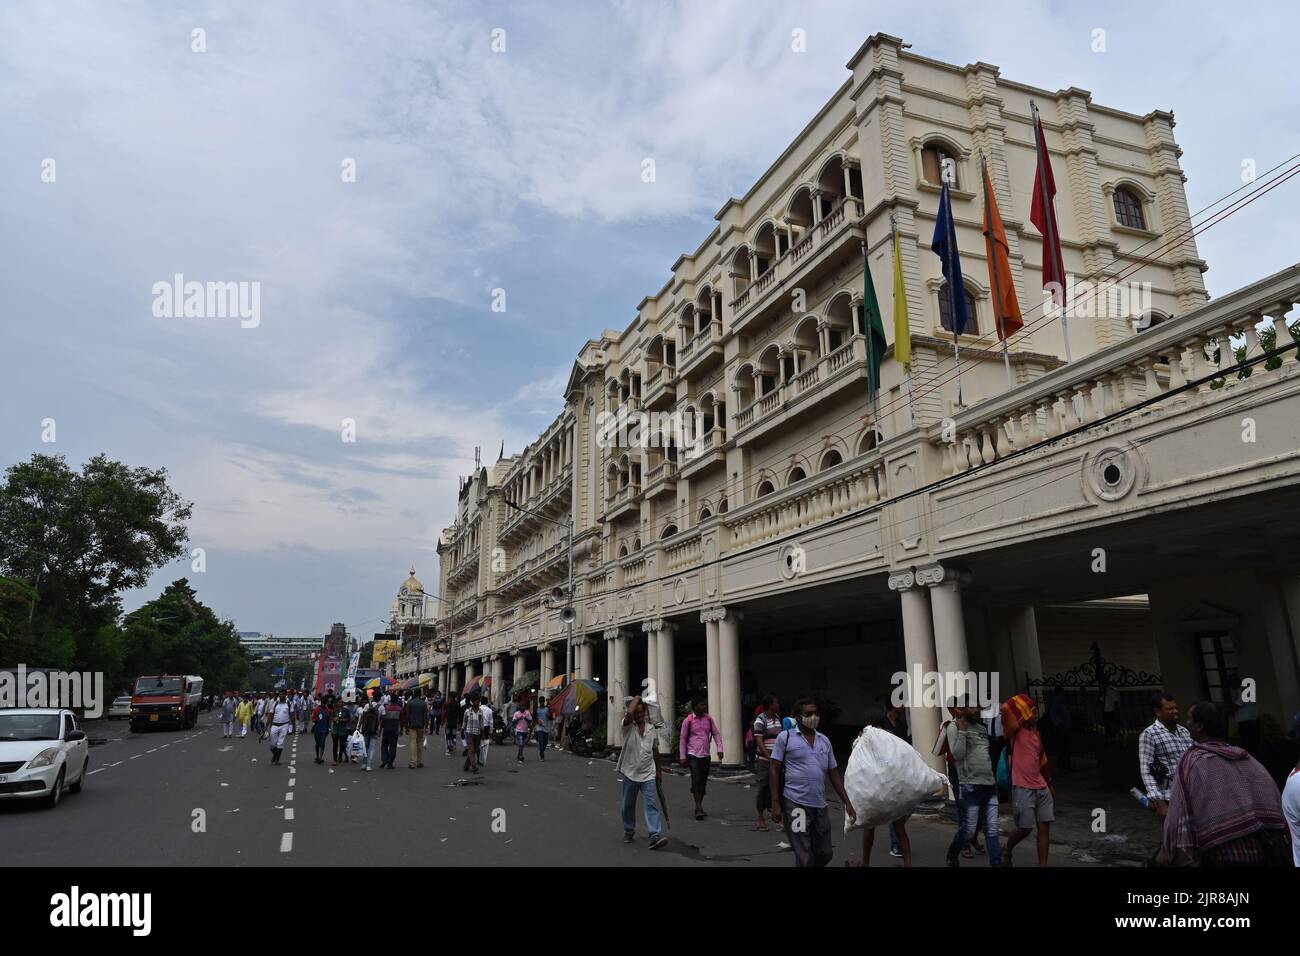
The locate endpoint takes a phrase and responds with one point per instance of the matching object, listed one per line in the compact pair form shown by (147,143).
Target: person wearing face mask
(802,760)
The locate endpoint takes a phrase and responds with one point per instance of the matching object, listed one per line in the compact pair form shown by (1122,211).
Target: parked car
(120,709)
(43,751)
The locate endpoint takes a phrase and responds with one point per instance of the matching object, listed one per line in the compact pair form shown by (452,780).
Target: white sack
(887,779)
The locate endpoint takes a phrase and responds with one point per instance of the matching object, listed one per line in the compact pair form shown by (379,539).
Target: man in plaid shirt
(473,722)
(1160,747)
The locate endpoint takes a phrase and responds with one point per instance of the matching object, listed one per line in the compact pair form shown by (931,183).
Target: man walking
(698,729)
(228,708)
(522,719)
(805,759)
(1224,809)
(279,718)
(1160,747)
(968,742)
(472,721)
(1033,799)
(391,728)
(767,727)
(639,763)
(543,727)
(368,721)
(415,722)
(485,735)
(451,719)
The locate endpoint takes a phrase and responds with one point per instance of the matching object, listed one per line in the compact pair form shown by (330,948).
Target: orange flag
(1000,280)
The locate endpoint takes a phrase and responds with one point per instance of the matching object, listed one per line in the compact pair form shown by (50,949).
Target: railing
(835,493)
(682,552)
(769,401)
(1115,378)
(744,417)
(634,570)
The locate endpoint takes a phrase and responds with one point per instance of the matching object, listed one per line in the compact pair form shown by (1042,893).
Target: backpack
(370,721)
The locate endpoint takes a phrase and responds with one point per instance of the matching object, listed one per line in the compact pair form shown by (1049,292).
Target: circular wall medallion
(679,591)
(1111,473)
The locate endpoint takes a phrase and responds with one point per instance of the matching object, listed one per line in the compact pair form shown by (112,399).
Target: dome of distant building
(412,584)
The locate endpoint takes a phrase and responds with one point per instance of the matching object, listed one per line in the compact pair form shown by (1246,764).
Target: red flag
(1043,216)
(995,244)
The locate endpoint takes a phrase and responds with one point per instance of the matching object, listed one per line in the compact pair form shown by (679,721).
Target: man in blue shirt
(807,760)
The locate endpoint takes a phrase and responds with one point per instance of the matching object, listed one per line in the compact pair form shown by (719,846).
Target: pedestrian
(1033,797)
(1291,810)
(767,727)
(802,760)
(543,718)
(522,719)
(415,721)
(435,711)
(472,722)
(639,762)
(244,714)
(896,723)
(698,730)
(340,730)
(391,729)
(280,719)
(879,717)
(320,728)
(259,716)
(485,735)
(1160,747)
(968,742)
(451,719)
(1224,808)
(228,707)
(368,722)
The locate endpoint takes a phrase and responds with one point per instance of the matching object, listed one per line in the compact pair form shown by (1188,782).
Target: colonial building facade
(789,535)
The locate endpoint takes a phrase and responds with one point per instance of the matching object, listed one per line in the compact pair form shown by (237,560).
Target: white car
(119,709)
(43,751)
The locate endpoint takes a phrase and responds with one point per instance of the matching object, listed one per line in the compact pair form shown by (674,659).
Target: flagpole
(907,369)
(990,247)
(1049,216)
(866,328)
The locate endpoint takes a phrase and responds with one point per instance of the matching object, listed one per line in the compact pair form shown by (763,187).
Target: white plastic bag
(886,779)
(356,746)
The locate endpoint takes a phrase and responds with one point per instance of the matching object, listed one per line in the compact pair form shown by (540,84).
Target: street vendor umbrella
(480,682)
(424,680)
(557,680)
(379,682)
(410,683)
(524,683)
(564,703)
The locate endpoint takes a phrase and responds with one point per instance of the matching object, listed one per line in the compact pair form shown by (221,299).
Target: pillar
(548,667)
(919,656)
(498,679)
(586,658)
(729,718)
(616,684)
(666,666)
(652,659)
(951,652)
(470,672)
(712,679)
(1024,646)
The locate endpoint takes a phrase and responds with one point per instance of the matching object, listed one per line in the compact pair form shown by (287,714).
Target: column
(729,720)
(498,679)
(652,659)
(548,667)
(1024,646)
(666,668)
(616,684)
(469,672)
(952,654)
(586,658)
(712,678)
(918,652)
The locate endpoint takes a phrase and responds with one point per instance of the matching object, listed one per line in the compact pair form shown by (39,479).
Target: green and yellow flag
(902,328)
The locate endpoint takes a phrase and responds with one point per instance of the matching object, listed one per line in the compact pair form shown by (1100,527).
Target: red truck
(166,700)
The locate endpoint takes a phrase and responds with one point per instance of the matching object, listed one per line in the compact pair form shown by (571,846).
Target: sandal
(967,853)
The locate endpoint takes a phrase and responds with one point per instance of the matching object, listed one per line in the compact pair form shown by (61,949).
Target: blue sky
(476,170)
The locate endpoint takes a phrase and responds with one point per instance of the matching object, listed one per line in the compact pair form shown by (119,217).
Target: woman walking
(342,728)
(320,728)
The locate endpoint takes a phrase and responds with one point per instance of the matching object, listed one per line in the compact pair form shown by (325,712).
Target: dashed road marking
(292,781)
(288,813)
(286,842)
(137,756)
(288,797)
(154,751)
(91,773)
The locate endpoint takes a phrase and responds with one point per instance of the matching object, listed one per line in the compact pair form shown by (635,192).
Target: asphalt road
(148,793)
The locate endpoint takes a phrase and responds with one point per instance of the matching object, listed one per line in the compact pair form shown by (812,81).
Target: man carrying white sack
(886,780)
(807,761)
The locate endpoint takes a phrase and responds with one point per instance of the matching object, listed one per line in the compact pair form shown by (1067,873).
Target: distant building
(270,647)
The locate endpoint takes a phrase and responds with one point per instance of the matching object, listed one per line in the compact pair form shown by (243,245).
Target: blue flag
(944,245)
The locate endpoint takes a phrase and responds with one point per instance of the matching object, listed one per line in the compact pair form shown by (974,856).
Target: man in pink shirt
(1033,799)
(697,730)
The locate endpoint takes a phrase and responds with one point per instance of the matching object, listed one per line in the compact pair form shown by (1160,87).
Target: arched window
(722,505)
(668,532)
(830,460)
(945,318)
(936,160)
(796,474)
(765,487)
(1128,209)
(705,513)
(622,551)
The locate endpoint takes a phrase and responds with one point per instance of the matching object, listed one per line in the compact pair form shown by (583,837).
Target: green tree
(177,634)
(78,539)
